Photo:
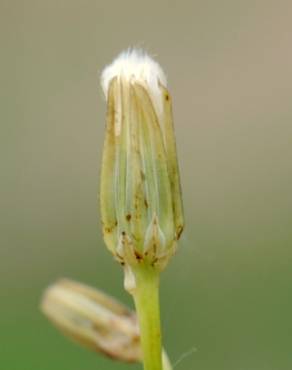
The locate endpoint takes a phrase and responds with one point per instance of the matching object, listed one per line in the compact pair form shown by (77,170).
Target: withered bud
(140,196)
(93,319)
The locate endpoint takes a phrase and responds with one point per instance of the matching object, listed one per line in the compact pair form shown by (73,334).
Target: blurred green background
(228,292)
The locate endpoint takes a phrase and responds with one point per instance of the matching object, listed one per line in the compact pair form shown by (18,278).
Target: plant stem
(146,297)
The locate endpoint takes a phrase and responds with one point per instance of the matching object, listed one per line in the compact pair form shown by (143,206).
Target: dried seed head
(135,64)
(141,205)
(93,319)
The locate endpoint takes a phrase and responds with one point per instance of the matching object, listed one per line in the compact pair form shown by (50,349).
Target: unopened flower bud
(93,319)
(141,205)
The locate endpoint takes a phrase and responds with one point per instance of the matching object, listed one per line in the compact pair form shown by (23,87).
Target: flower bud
(93,319)
(141,205)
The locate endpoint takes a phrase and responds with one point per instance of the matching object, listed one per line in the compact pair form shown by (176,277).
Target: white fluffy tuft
(136,65)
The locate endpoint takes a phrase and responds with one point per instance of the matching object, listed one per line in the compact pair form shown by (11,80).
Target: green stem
(146,297)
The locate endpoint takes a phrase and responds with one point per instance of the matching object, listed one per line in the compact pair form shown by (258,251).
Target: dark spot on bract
(154,261)
(138,256)
(179,231)
(128,217)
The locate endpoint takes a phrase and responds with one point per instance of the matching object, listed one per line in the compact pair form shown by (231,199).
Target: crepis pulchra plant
(142,217)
